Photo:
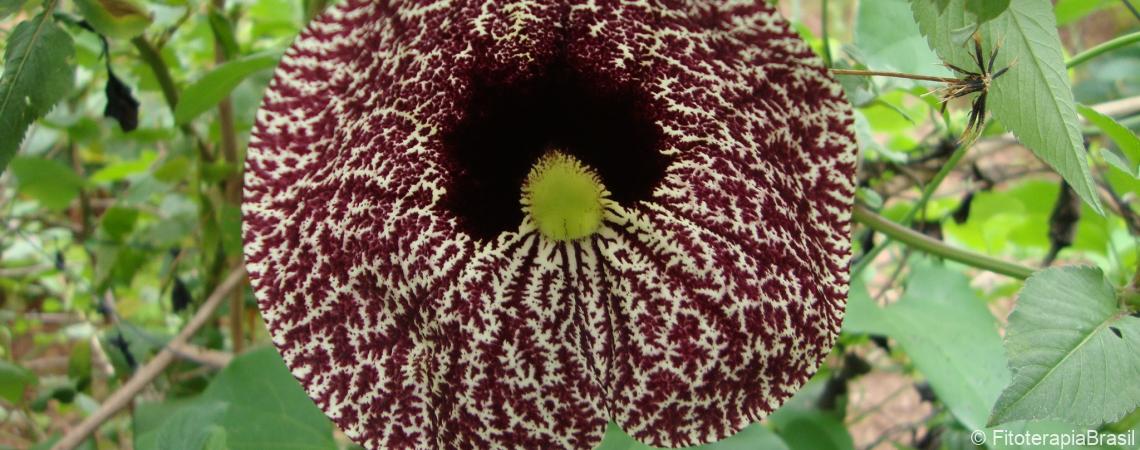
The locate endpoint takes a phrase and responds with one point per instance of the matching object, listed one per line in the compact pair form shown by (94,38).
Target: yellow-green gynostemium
(563,197)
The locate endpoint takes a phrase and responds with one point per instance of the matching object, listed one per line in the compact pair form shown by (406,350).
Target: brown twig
(233,184)
(122,397)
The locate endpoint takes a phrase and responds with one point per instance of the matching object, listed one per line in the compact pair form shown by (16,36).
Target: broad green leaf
(191,428)
(986,10)
(268,408)
(38,72)
(50,182)
(863,316)
(754,436)
(209,90)
(254,403)
(808,429)
(950,336)
(1124,138)
(1033,99)
(1074,353)
(14,381)
(886,33)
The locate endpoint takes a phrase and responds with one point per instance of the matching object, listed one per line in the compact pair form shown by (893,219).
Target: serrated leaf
(48,181)
(38,72)
(1033,99)
(217,84)
(986,10)
(1124,138)
(1074,353)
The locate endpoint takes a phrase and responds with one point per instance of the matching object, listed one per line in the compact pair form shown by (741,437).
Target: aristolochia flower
(502,224)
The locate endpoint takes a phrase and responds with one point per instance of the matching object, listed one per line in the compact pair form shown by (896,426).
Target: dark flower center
(507,126)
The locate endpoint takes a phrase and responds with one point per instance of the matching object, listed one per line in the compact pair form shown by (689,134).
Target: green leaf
(254,403)
(191,428)
(121,19)
(50,182)
(1124,138)
(950,336)
(7,7)
(79,364)
(230,223)
(268,408)
(1075,354)
(1068,11)
(122,170)
(886,33)
(38,72)
(209,90)
(1033,99)
(223,33)
(863,316)
(14,382)
(806,429)
(986,10)
(803,426)
(751,437)
(118,221)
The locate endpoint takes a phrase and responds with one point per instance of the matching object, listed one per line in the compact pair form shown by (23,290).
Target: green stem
(826,41)
(924,243)
(927,192)
(152,58)
(1103,48)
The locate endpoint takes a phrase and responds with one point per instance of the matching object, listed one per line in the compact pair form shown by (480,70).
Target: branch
(935,247)
(927,192)
(153,59)
(147,373)
(233,184)
(1120,42)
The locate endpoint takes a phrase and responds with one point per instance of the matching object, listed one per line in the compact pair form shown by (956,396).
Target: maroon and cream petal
(522,375)
(700,306)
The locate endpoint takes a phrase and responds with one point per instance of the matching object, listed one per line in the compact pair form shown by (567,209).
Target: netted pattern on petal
(691,312)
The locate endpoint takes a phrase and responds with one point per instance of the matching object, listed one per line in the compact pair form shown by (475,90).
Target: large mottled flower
(502,224)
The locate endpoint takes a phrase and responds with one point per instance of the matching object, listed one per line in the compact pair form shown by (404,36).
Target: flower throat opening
(507,126)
